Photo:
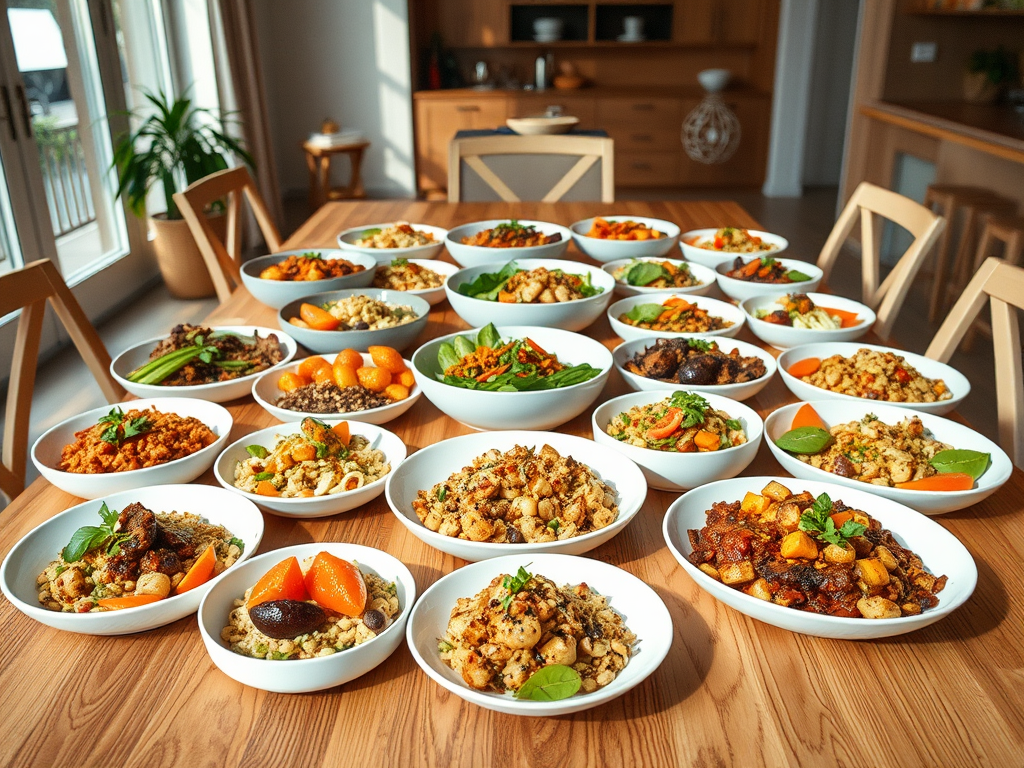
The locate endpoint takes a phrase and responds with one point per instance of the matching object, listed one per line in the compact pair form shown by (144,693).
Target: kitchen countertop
(694,92)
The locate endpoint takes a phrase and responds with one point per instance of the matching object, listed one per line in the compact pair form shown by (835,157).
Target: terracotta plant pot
(181,264)
(978,89)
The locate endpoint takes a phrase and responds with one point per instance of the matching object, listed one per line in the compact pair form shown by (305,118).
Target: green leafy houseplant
(997,65)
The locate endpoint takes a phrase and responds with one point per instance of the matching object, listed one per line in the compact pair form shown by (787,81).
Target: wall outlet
(921,53)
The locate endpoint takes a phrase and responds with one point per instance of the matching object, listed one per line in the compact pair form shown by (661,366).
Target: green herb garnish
(513,584)
(797,276)
(90,537)
(645,313)
(554,525)
(238,543)
(693,405)
(121,430)
(973,463)
(551,683)
(443,646)
(442,492)
(488,285)
(400,262)
(816,520)
(370,232)
(311,255)
(701,345)
(733,424)
(260,476)
(805,440)
(257,451)
(644,273)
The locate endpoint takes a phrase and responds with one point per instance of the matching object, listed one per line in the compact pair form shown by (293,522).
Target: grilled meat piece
(699,369)
(160,561)
(660,362)
(180,541)
(138,521)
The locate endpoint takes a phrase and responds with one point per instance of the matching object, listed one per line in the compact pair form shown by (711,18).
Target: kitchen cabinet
(437,122)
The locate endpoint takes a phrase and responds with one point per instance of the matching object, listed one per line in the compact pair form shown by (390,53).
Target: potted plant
(987,73)
(176,145)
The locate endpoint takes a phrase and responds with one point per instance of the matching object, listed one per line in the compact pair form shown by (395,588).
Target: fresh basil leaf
(973,463)
(551,683)
(797,276)
(805,440)
(260,476)
(257,451)
(370,232)
(85,538)
(108,515)
(645,273)
(850,529)
(116,416)
(513,584)
(645,313)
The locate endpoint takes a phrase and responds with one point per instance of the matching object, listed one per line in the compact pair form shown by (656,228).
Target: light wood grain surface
(732,691)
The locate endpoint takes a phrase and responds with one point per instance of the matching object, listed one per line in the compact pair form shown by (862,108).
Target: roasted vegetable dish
(695,362)
(511,235)
(656,274)
(399,235)
(516,496)
(674,315)
(353,313)
(765,270)
(403,275)
(798,311)
(348,384)
(521,628)
(812,554)
(513,285)
(310,266)
(871,374)
(682,423)
(732,240)
(623,229)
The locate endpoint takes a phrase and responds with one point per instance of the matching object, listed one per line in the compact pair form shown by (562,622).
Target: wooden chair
(866,202)
(224,259)
(545,178)
(1003,285)
(28,289)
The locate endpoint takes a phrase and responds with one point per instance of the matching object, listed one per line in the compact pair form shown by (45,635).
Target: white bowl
(741,290)
(784,336)
(834,412)
(399,336)
(315,506)
(716,308)
(277,293)
(43,544)
(741,391)
(47,449)
(431,295)
(266,393)
(437,462)
(640,606)
(347,242)
(614,250)
(711,258)
(706,276)
(680,471)
(941,551)
(544,409)
(477,255)
(303,675)
(542,125)
(957,383)
(219,392)
(567,315)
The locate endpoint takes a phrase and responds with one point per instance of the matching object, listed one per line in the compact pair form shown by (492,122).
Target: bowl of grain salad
(132,445)
(362,317)
(670,316)
(335,651)
(858,372)
(394,239)
(416,277)
(328,400)
(279,278)
(712,246)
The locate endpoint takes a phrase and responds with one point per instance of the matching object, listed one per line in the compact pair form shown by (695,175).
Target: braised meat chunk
(695,362)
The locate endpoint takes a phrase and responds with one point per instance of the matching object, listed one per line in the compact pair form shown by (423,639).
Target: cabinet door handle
(8,114)
(469,108)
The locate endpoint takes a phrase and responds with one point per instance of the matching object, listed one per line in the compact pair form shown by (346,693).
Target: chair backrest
(28,289)
(867,202)
(1003,285)
(224,259)
(531,165)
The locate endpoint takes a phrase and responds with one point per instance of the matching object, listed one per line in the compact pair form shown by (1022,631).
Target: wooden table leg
(314,192)
(355,187)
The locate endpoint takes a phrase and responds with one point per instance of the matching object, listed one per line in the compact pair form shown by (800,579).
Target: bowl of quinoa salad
(327,400)
(383,241)
(335,653)
(416,277)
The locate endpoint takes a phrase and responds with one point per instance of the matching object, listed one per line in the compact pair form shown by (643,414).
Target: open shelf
(657,21)
(575,22)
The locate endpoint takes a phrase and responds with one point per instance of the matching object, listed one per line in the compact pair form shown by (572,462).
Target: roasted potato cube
(736,573)
(871,571)
(754,504)
(878,608)
(760,590)
(883,554)
(925,581)
(860,517)
(710,570)
(788,516)
(798,545)
(776,491)
(862,545)
(836,554)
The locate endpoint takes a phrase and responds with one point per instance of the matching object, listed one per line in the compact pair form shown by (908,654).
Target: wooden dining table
(731,692)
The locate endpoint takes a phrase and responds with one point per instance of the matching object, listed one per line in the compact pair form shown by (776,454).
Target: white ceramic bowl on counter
(941,551)
(347,242)
(786,336)
(956,382)
(304,675)
(46,452)
(567,315)
(741,290)
(643,612)
(715,308)
(712,258)
(43,544)
(437,462)
(277,293)
(478,255)
(834,412)
(543,409)
(707,278)
(603,250)
(217,392)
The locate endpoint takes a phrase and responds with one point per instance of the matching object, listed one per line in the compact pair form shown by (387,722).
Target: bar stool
(1008,230)
(950,199)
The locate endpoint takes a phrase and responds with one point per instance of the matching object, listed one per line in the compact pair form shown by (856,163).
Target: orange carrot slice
(947,481)
(266,488)
(318,319)
(130,601)
(709,441)
(336,584)
(849,319)
(805,367)
(841,517)
(282,582)
(341,429)
(806,416)
(200,572)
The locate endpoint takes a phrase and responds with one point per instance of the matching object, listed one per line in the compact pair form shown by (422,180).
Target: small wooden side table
(318,160)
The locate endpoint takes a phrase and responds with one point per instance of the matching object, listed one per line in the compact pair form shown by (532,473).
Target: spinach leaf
(645,313)
(551,683)
(973,463)
(804,440)
(645,273)
(488,285)
(797,276)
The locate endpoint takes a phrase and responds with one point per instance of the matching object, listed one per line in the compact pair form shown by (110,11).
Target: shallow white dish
(834,412)
(477,255)
(43,544)
(443,268)
(741,391)
(399,336)
(641,608)
(567,315)
(614,250)
(542,125)
(741,290)
(303,675)
(266,393)
(706,276)
(219,392)
(957,383)
(277,293)
(347,242)
(680,471)
(784,336)
(940,550)
(47,449)
(715,307)
(544,409)
(437,462)
(316,506)
(711,258)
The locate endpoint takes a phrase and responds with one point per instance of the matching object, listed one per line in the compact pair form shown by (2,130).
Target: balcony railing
(65,178)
